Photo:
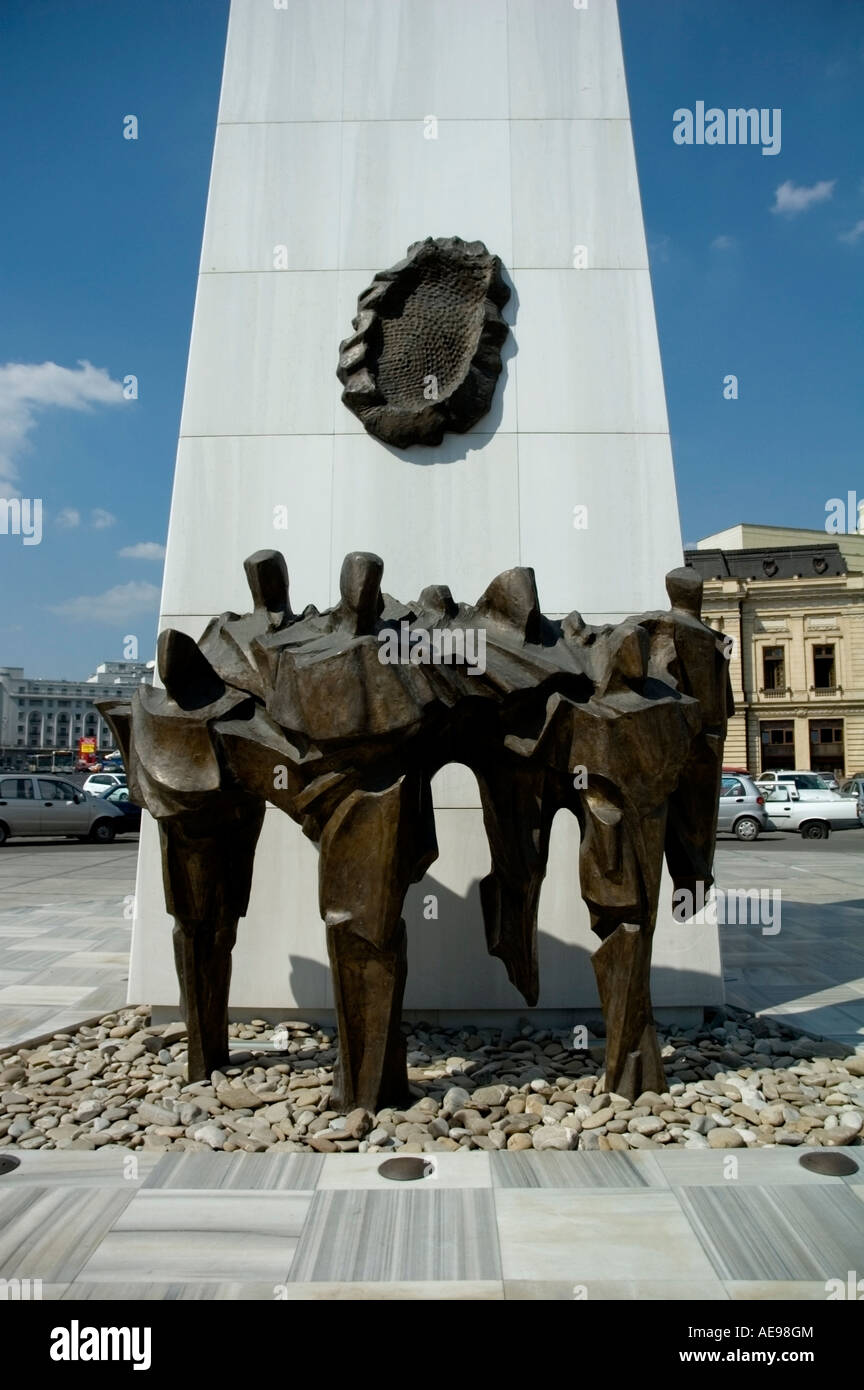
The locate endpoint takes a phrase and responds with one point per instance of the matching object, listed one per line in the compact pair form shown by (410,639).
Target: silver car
(46,805)
(742,807)
(855,787)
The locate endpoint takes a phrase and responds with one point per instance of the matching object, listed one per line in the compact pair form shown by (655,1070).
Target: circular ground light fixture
(406,1168)
(8,1162)
(829,1165)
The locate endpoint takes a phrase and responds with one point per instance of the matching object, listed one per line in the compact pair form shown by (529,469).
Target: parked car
(813,812)
(129,810)
(104,781)
(49,806)
(811,782)
(854,787)
(742,807)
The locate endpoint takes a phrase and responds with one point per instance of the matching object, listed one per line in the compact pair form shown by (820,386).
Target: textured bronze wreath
(426,351)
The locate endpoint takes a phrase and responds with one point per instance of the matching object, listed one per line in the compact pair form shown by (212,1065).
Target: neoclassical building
(793,604)
(40,715)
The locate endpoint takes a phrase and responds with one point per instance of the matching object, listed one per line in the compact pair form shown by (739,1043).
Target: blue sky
(100,239)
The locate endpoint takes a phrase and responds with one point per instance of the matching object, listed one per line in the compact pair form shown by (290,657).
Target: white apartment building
(39,715)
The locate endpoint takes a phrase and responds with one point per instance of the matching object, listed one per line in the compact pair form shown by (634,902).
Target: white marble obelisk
(347,130)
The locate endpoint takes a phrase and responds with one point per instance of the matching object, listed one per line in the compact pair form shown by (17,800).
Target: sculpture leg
(517,815)
(207,866)
(372,848)
(202,957)
(622,965)
(621,861)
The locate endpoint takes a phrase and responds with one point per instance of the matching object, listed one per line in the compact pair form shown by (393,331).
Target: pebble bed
(736,1081)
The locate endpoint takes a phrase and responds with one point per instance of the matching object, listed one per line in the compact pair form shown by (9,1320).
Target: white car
(815,813)
(100,782)
(802,779)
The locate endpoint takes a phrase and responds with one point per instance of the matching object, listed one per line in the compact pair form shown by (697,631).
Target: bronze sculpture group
(310,712)
(300,711)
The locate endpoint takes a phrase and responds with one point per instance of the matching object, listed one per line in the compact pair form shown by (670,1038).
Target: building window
(777,744)
(822,732)
(824,669)
(774,668)
(827,753)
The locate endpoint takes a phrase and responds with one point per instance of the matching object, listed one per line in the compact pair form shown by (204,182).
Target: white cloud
(796,197)
(854,234)
(144,550)
(28,388)
(723,242)
(100,519)
(68,519)
(659,247)
(117,605)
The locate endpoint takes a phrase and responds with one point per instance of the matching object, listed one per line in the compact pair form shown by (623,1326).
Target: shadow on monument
(456,939)
(447,959)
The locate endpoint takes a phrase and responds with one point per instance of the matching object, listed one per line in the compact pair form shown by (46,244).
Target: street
(839,842)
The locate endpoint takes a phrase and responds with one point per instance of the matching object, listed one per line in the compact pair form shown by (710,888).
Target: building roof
(769,562)
(748,535)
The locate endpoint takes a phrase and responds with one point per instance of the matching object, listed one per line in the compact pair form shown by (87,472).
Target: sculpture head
(684,587)
(360,590)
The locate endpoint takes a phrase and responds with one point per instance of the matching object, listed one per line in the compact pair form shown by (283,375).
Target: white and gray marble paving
(589,1234)
(448,1170)
(367,1236)
(180,1236)
(783,1232)
(117,1292)
(776,1290)
(578,1169)
(49,1233)
(65,932)
(240,1172)
(108,1167)
(231,1226)
(614,1290)
(764,1167)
